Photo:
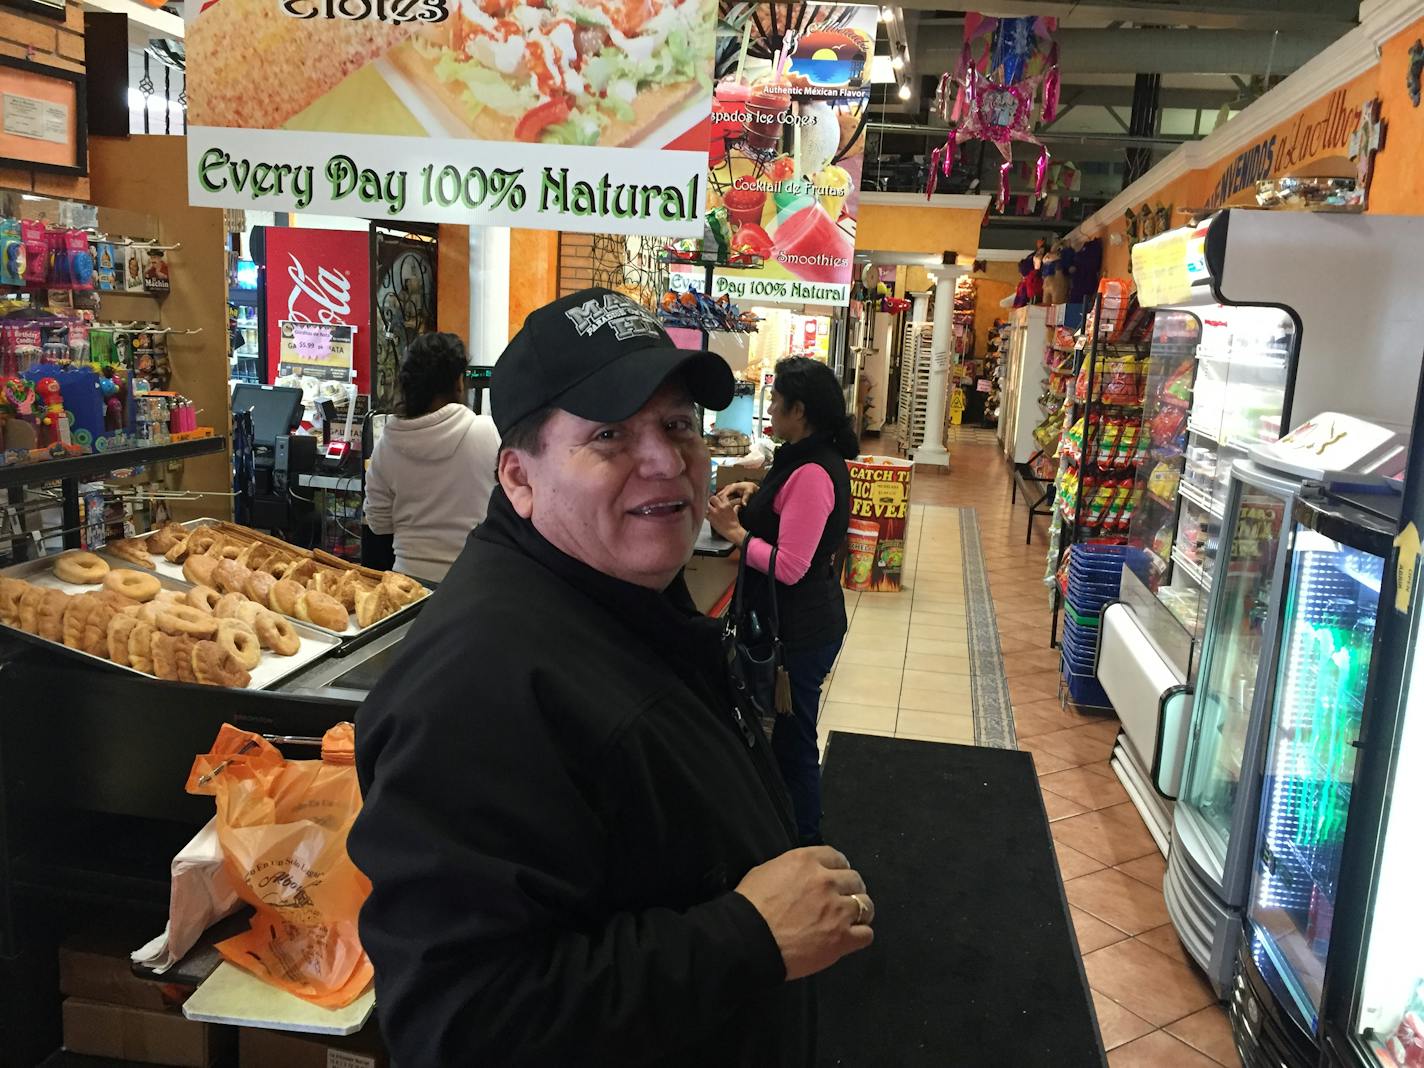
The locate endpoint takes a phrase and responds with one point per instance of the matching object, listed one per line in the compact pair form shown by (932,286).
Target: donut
(130,550)
(11,590)
(303,572)
(76,618)
(113,597)
(171,597)
(198,569)
(179,552)
(277,634)
(82,569)
(141,647)
(284,596)
(149,612)
(256,555)
(96,629)
(229,577)
(204,598)
(350,584)
(183,658)
(121,628)
(167,536)
(27,616)
(49,616)
(374,606)
(322,609)
(258,586)
(202,541)
(165,656)
(240,642)
(215,666)
(228,605)
(279,565)
(404,590)
(186,620)
(247,613)
(134,585)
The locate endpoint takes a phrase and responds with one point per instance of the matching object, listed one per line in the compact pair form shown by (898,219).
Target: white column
(489,293)
(932,452)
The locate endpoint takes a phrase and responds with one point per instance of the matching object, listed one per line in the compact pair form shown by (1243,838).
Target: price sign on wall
(316,350)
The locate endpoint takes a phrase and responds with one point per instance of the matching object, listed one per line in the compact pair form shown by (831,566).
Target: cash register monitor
(276,412)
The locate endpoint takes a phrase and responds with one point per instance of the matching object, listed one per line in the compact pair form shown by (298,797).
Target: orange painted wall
(1398,186)
(533,273)
(883,228)
(992,286)
(452,312)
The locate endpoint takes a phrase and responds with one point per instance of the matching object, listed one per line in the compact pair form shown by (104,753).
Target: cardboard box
(730,473)
(261,1048)
(97,968)
(130,1034)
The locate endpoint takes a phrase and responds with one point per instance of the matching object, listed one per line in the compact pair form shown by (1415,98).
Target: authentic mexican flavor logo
(392,11)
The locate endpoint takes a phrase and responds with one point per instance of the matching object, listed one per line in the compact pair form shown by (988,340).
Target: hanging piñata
(1007,65)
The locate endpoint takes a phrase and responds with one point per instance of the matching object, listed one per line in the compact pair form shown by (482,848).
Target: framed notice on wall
(316,350)
(42,121)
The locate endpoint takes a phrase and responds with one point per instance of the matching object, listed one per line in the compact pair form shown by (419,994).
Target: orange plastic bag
(282,825)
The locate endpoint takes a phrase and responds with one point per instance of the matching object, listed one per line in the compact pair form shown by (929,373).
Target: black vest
(812,610)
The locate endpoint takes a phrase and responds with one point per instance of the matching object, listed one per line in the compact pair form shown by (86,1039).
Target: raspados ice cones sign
(588,115)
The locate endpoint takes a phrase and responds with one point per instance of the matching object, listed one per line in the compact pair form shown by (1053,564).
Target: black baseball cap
(600,356)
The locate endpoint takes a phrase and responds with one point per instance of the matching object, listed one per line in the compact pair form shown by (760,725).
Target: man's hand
(811,899)
(737,493)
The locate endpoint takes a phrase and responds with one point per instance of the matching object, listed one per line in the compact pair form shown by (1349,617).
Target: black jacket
(811,611)
(559,800)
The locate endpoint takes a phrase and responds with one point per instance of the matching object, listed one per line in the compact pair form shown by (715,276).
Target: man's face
(628,498)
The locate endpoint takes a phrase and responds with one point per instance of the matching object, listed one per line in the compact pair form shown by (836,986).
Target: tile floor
(905,672)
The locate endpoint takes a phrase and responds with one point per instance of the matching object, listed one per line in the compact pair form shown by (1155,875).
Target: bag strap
(774,623)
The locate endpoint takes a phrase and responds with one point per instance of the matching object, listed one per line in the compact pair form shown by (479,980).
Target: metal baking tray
(348,636)
(270,670)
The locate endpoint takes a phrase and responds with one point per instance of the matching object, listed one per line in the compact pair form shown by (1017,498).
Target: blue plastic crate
(1085,689)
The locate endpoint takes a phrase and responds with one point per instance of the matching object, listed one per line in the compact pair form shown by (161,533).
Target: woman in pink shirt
(803,509)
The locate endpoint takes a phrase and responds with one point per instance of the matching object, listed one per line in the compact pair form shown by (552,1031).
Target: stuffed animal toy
(1055,274)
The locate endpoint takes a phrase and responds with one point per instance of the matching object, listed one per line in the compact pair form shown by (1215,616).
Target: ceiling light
(885,14)
(898,63)
(904,92)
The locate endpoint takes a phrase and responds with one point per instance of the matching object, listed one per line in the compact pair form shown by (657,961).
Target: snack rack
(914,385)
(1101,443)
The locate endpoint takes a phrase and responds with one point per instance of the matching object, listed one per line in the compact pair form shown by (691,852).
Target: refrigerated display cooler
(1213,825)
(1338,579)
(1273,333)
(1023,377)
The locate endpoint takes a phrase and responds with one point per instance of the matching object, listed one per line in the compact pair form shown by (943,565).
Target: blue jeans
(793,739)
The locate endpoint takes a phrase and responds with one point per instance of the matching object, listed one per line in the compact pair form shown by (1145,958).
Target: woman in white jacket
(432,471)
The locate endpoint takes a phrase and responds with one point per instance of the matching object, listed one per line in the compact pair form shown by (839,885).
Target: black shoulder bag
(757,664)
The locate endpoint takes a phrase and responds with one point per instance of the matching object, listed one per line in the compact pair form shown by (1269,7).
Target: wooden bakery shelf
(94,464)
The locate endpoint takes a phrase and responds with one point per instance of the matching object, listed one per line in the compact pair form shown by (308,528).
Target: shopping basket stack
(1094,580)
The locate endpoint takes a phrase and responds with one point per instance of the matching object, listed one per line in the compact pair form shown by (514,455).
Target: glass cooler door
(1320,691)
(1240,633)
(1391,1012)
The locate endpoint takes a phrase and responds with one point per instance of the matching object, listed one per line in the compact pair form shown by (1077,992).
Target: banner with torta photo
(578,115)
(787,147)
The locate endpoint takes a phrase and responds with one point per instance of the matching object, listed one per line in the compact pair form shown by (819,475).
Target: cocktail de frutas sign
(586,115)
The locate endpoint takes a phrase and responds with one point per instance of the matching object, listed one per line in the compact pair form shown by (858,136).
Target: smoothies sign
(587,115)
(879,513)
(788,142)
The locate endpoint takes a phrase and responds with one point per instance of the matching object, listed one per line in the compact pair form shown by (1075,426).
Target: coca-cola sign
(320,276)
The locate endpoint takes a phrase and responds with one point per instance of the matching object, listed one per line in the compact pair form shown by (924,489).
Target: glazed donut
(198,569)
(240,642)
(134,585)
(277,634)
(27,616)
(82,569)
(404,589)
(323,610)
(229,577)
(284,596)
(204,598)
(49,616)
(141,647)
(11,590)
(76,617)
(186,620)
(121,628)
(228,606)
(214,666)
(258,586)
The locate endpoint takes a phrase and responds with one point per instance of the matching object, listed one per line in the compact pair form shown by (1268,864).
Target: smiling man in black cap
(579,848)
